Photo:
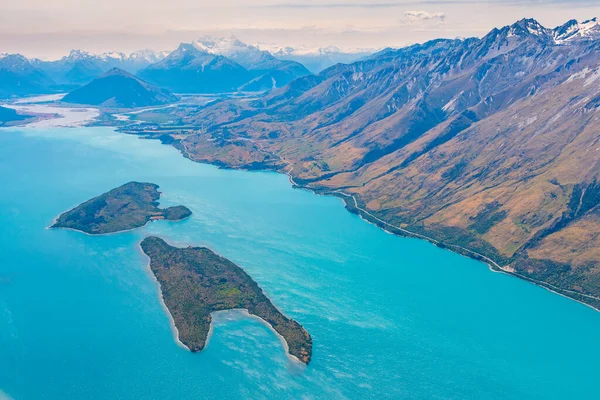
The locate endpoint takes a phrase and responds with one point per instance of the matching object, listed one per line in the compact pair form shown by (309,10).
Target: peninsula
(196,282)
(126,207)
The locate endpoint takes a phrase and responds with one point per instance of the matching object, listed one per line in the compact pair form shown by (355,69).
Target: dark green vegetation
(487,146)
(126,207)
(119,89)
(196,282)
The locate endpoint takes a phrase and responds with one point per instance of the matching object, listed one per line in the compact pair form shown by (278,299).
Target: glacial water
(80,316)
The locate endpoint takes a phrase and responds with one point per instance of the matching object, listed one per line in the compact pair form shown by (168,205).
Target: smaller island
(126,207)
(196,282)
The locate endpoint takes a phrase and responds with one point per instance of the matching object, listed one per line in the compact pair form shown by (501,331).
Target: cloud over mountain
(423,16)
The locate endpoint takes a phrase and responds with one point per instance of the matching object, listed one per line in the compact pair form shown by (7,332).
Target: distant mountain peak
(78,55)
(18,61)
(574,30)
(117,72)
(120,89)
(189,48)
(148,56)
(528,26)
(222,45)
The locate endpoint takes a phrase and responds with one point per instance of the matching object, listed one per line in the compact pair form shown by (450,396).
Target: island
(127,207)
(196,282)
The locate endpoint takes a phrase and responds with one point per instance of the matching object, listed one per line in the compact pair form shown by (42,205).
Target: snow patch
(528,121)
(578,75)
(589,29)
(449,106)
(593,77)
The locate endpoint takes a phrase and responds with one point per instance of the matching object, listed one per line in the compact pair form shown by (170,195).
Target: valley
(484,146)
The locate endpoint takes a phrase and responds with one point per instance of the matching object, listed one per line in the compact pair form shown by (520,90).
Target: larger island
(196,282)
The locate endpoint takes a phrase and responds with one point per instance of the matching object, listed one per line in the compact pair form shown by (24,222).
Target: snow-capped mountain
(188,69)
(80,67)
(145,56)
(318,59)
(221,65)
(225,46)
(19,77)
(573,30)
(248,56)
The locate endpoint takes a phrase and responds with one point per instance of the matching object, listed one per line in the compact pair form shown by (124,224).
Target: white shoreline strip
(246,314)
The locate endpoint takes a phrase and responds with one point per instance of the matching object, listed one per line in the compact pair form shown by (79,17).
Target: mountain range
(221,65)
(489,146)
(80,67)
(19,77)
(208,65)
(319,59)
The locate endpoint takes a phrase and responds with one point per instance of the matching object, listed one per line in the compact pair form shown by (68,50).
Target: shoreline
(363,214)
(381,224)
(50,227)
(175,331)
(55,219)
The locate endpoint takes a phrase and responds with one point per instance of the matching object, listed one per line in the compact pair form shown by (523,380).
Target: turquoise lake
(390,317)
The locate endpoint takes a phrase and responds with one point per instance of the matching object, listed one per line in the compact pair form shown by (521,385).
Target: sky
(49,29)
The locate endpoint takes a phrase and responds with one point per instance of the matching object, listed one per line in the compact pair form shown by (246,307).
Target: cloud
(412,16)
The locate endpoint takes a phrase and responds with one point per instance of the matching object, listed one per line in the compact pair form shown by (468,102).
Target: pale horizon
(38,29)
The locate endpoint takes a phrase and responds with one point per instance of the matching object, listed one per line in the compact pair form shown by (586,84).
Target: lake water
(390,317)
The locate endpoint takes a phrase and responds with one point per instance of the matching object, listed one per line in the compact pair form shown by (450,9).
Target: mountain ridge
(480,143)
(210,65)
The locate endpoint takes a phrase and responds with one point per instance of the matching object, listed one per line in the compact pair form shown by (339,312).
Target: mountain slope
(189,70)
(488,146)
(118,88)
(212,65)
(317,60)
(267,71)
(18,77)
